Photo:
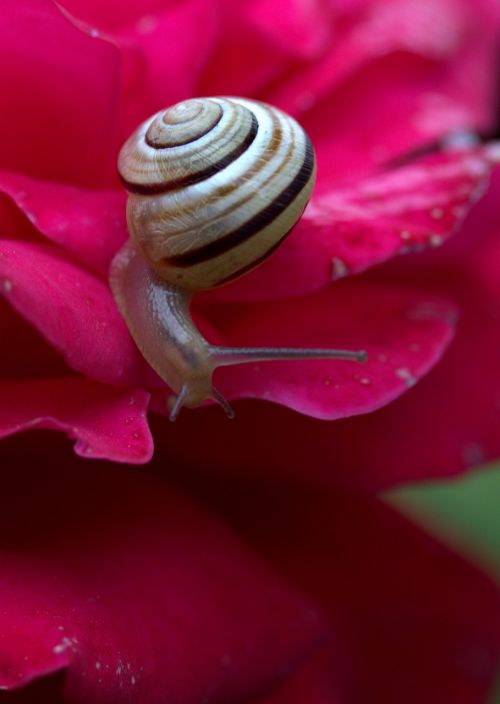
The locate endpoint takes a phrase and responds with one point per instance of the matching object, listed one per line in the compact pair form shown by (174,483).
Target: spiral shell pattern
(215,184)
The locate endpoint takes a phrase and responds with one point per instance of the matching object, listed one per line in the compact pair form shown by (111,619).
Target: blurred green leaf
(464,512)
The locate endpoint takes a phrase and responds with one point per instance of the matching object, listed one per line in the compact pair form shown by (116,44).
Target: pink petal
(303,30)
(403,333)
(163,56)
(73,310)
(399,75)
(312,684)
(88,223)
(105,422)
(26,354)
(408,617)
(57,120)
(347,230)
(244,61)
(114,14)
(463,392)
(443,426)
(432,31)
(135,592)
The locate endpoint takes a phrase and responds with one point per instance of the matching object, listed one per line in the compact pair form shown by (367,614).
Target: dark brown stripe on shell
(168,145)
(190,179)
(258,222)
(255,263)
(250,172)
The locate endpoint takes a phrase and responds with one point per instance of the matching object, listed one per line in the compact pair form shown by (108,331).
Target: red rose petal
(456,409)
(244,59)
(72,309)
(409,617)
(444,425)
(136,593)
(26,353)
(88,223)
(115,14)
(303,31)
(57,120)
(163,55)
(403,334)
(349,229)
(105,422)
(398,75)
(315,683)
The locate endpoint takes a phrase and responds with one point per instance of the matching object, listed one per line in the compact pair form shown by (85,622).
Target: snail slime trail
(214,184)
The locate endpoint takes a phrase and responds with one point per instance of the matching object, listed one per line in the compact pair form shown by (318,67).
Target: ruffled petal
(135,592)
(73,310)
(112,15)
(58,119)
(403,334)
(401,74)
(443,426)
(88,223)
(105,422)
(408,617)
(303,31)
(162,53)
(347,230)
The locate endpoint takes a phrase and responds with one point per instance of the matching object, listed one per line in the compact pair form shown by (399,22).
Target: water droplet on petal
(436,240)
(339,268)
(405,374)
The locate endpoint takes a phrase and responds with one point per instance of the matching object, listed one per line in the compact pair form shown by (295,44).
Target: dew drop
(7,286)
(460,140)
(437,213)
(405,235)
(493,152)
(436,240)
(339,268)
(405,374)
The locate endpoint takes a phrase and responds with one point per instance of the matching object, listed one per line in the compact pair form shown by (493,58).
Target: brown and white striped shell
(215,184)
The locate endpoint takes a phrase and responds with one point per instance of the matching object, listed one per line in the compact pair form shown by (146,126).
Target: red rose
(113,578)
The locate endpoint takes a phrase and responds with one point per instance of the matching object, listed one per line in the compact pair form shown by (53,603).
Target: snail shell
(215,185)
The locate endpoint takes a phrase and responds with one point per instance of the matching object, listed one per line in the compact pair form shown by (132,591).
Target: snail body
(215,184)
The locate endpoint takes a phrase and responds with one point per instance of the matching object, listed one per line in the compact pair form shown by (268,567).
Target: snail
(214,186)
